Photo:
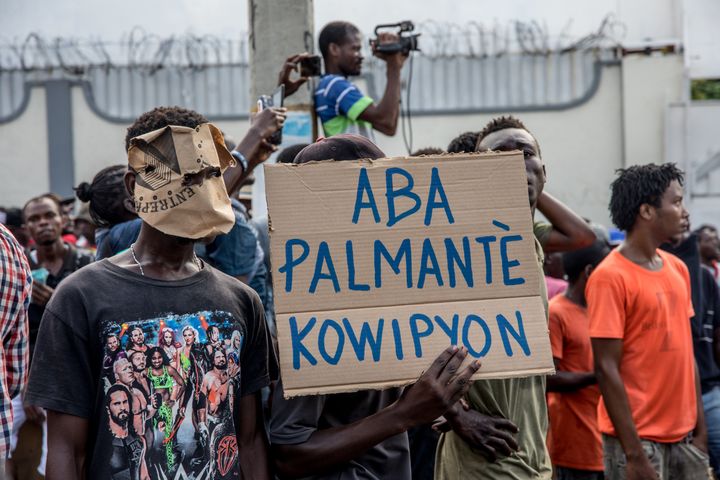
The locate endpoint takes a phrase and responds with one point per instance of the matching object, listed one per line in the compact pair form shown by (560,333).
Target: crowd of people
(143,311)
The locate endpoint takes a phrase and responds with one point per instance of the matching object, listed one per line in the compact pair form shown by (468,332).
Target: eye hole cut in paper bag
(179,188)
(390,261)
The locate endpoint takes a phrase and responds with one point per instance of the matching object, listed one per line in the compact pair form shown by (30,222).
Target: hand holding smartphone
(276,100)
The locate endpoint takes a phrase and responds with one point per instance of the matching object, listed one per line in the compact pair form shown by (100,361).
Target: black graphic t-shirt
(155,366)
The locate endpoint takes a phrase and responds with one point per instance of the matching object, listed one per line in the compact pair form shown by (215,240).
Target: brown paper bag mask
(179,187)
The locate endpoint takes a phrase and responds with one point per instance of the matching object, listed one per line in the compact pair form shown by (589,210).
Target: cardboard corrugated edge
(356,387)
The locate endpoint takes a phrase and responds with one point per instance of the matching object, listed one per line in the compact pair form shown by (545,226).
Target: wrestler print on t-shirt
(170,383)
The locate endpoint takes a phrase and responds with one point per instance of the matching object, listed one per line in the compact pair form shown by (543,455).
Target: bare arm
(608,353)
(384,115)
(254,146)
(67,440)
(564,381)
(700,435)
(179,387)
(570,231)
(436,391)
(252,440)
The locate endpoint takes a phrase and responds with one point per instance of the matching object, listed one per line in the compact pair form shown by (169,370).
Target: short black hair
(160,117)
(427,151)
(638,185)
(466,142)
(49,196)
(13,217)
(152,351)
(576,261)
(703,227)
(502,123)
(106,196)
(335,32)
(288,154)
(117,387)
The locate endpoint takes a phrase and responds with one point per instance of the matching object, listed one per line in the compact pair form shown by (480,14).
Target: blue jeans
(711,405)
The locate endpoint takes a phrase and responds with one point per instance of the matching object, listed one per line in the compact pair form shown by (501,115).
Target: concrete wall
(581,147)
(24,153)
(622,123)
(649,85)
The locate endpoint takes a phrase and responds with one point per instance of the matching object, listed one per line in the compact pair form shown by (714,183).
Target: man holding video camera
(341,106)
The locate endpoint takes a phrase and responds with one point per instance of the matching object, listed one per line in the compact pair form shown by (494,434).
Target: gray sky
(109,20)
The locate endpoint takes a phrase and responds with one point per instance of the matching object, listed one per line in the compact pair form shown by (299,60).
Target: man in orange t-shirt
(574,438)
(639,303)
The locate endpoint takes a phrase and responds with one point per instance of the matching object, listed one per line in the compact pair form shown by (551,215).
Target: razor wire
(147,53)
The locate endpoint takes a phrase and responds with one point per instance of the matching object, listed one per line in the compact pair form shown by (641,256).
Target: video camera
(406,43)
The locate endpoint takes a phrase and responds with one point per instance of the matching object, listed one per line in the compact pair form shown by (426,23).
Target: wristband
(240,159)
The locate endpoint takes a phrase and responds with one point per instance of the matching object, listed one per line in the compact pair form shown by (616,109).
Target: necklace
(196,260)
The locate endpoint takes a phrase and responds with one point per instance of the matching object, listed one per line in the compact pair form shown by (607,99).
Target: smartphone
(311,66)
(276,100)
(40,275)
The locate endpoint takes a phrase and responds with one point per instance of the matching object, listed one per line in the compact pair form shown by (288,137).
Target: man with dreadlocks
(503,433)
(640,304)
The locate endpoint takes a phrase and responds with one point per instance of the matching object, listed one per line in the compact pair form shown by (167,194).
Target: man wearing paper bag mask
(179,188)
(160,287)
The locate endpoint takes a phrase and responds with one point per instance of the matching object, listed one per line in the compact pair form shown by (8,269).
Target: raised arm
(326,449)
(384,115)
(254,146)
(67,440)
(569,232)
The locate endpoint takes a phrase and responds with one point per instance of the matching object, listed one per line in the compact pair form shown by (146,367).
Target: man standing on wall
(341,106)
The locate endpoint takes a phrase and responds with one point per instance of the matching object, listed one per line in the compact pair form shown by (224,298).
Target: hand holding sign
(438,389)
(396,260)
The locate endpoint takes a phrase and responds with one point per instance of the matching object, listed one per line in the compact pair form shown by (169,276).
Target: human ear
(129,181)
(647,211)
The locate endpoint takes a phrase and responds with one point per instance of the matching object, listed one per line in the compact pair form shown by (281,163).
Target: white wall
(623,122)
(24,154)
(581,147)
(99,143)
(702,38)
(650,84)
(691,133)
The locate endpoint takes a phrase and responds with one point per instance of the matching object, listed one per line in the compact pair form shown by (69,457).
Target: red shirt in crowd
(650,312)
(574,438)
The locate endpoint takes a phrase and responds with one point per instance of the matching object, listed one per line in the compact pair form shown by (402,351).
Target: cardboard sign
(380,265)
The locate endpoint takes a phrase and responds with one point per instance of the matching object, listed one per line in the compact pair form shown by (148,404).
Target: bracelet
(240,159)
